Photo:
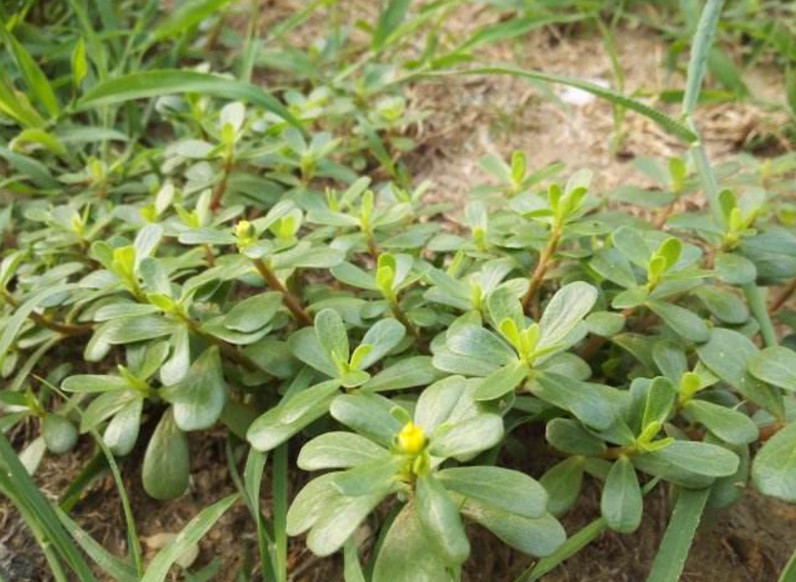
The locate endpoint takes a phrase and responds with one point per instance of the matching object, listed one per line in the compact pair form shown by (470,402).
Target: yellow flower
(242,228)
(411,439)
(244,231)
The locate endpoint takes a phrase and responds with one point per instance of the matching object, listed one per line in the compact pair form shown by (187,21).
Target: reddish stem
(290,300)
(541,268)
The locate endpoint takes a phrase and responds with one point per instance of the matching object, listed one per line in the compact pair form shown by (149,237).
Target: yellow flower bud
(242,228)
(244,231)
(411,439)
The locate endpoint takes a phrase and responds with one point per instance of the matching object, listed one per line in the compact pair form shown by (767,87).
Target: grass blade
(253,44)
(148,84)
(700,51)
(38,173)
(96,50)
(95,469)
(295,19)
(101,462)
(377,147)
(112,565)
(132,535)
(16,105)
(352,569)
(34,77)
(392,15)
(515,27)
(572,546)
(789,571)
(790,90)
(190,535)
(672,554)
(279,479)
(18,484)
(672,126)
(250,486)
(186,16)
(253,478)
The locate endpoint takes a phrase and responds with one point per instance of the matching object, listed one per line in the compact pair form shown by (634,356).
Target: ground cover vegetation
(210,228)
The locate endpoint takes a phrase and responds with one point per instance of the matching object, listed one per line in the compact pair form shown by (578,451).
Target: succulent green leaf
(332,335)
(305,345)
(339,520)
(571,437)
(440,518)
(198,400)
(338,450)
(507,490)
(278,424)
(60,435)
(701,458)
(596,405)
(775,365)
(253,313)
(369,415)
(501,381)
(774,467)
(565,310)
(735,269)
(727,355)
(383,337)
(621,503)
(731,426)
(122,431)
(405,373)
(166,465)
(463,439)
(562,483)
(407,554)
(683,322)
(536,537)
(476,342)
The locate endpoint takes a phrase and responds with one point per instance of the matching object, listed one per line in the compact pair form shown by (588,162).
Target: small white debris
(579,97)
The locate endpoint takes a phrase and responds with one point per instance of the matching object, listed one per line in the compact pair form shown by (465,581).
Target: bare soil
(749,542)
(468,118)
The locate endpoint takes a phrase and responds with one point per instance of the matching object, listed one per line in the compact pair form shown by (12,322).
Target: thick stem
(757,305)
(401,316)
(769,431)
(227,350)
(373,248)
(62,328)
(221,187)
(616,452)
(541,268)
(782,296)
(209,256)
(290,300)
(597,341)
(44,321)
(664,214)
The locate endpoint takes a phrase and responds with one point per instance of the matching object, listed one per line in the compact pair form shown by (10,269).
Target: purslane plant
(241,273)
(197,357)
(394,454)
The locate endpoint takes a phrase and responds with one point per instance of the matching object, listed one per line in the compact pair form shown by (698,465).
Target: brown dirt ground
(467,119)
